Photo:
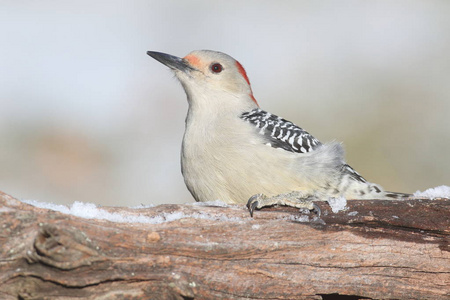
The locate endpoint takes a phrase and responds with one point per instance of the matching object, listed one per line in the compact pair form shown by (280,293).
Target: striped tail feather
(395,195)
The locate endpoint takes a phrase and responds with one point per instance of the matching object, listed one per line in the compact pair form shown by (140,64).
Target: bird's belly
(234,176)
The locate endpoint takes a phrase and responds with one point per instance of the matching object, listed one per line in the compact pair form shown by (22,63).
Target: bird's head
(210,76)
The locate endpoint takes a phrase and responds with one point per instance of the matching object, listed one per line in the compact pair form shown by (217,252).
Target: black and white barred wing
(280,133)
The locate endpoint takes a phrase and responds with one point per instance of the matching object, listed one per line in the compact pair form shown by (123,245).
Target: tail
(359,188)
(395,195)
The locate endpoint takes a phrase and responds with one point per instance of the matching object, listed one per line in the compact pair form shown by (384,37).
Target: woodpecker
(234,151)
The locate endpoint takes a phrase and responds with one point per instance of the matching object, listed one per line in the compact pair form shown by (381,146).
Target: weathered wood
(375,249)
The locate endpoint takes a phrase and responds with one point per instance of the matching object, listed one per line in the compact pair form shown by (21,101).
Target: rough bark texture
(375,249)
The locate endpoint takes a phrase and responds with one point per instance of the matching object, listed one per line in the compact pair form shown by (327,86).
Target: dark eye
(216,68)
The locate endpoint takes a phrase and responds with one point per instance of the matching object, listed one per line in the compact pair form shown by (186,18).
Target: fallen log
(371,250)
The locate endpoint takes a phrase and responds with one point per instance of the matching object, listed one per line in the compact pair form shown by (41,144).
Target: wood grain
(375,249)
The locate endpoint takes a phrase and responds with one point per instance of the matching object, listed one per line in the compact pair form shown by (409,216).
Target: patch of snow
(300,218)
(256,226)
(306,219)
(337,204)
(304,211)
(91,211)
(353,213)
(56,207)
(142,206)
(216,203)
(442,191)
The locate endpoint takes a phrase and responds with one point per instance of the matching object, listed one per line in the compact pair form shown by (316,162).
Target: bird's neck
(219,104)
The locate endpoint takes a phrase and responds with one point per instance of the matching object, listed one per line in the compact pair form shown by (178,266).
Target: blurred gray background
(86,115)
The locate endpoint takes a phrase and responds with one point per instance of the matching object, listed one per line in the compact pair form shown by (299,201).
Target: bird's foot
(293,199)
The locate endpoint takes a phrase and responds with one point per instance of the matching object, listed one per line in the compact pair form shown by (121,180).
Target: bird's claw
(260,200)
(252,203)
(317,210)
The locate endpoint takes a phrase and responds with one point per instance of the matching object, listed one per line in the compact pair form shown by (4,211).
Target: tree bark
(373,250)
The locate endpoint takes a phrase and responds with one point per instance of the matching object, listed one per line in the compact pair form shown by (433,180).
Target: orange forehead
(193,60)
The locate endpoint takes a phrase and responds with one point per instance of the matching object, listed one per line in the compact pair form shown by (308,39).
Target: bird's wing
(280,133)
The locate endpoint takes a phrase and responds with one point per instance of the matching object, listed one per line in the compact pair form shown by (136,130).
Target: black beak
(173,62)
